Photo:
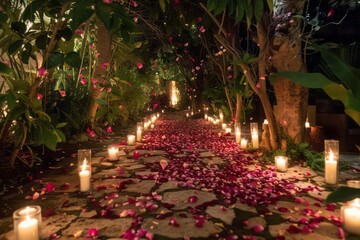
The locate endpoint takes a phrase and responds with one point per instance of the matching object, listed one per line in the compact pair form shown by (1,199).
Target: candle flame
(331,156)
(83,167)
(254,132)
(139,129)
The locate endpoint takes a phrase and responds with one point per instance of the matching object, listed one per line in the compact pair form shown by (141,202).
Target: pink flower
(202,29)
(155,106)
(108,89)
(120,107)
(109,130)
(50,187)
(93,232)
(107,1)
(177,59)
(199,19)
(199,221)
(135,18)
(229,76)
(83,81)
(92,46)
(94,80)
(258,228)
(134,3)
(62,93)
(39,96)
(79,31)
(105,65)
(35,196)
(139,65)
(258,86)
(42,72)
(193,199)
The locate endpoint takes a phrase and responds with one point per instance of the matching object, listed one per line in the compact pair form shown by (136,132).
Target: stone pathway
(208,189)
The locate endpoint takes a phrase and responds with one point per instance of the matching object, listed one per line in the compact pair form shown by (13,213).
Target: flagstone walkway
(189,183)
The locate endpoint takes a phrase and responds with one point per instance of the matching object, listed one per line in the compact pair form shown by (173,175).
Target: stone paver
(186,228)
(181,198)
(224,214)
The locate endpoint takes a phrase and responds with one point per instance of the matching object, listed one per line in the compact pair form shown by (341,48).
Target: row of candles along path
(27,220)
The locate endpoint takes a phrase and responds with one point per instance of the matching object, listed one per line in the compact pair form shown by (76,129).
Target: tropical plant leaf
(239,12)
(344,72)
(343,194)
(30,10)
(49,140)
(60,125)
(14,47)
(18,27)
(73,59)
(4,68)
(220,6)
(333,90)
(162,5)
(54,60)
(270,4)
(258,9)
(81,12)
(101,101)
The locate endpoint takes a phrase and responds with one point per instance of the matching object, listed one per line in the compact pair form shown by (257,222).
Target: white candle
(281,163)
(307,125)
(28,229)
(138,135)
(131,139)
(187,115)
(113,153)
(331,169)
(351,216)
(157,115)
(227,130)
(162,111)
(243,143)
(221,116)
(152,126)
(353,183)
(223,126)
(192,113)
(266,121)
(205,116)
(146,125)
(255,139)
(85,178)
(237,136)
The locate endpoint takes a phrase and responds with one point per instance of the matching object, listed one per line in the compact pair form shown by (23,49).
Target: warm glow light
(174,94)
(266,121)
(331,156)
(83,167)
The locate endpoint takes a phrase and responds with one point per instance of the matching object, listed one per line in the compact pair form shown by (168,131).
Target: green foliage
(343,194)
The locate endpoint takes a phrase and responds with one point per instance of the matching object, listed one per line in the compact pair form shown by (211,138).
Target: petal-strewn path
(189,183)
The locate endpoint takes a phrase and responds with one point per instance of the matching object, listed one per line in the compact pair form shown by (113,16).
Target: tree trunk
(238,108)
(291,98)
(104,50)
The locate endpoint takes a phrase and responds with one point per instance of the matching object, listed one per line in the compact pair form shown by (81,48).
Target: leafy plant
(343,194)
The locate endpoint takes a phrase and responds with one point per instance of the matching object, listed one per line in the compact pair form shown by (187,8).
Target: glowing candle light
(243,143)
(237,136)
(281,163)
(331,154)
(27,223)
(138,134)
(266,121)
(85,177)
(255,139)
(307,125)
(192,113)
(187,115)
(353,183)
(221,116)
(131,139)
(113,153)
(351,216)
(223,126)
(228,130)
(162,111)
(205,116)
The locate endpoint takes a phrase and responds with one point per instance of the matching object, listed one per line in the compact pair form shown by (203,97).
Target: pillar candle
(227,130)
(131,139)
(223,126)
(113,153)
(28,229)
(85,178)
(351,216)
(255,139)
(237,136)
(243,143)
(331,170)
(138,135)
(281,163)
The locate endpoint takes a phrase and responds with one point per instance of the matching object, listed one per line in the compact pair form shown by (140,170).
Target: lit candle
(162,111)
(221,116)
(255,139)
(157,115)
(113,153)
(243,143)
(187,115)
(192,113)
(138,134)
(228,130)
(152,126)
(223,126)
(27,223)
(131,139)
(331,169)
(237,136)
(28,229)
(307,125)
(85,177)
(281,163)
(146,125)
(205,116)
(351,216)
(266,121)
